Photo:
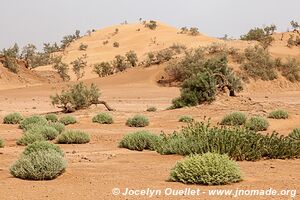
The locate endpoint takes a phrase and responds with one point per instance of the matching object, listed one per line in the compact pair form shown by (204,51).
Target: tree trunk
(106,105)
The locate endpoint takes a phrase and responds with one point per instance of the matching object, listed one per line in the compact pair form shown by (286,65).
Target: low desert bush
(151,109)
(83,47)
(27,139)
(73,137)
(206,169)
(138,121)
(257,123)
(28,122)
(279,114)
(291,69)
(151,25)
(60,127)
(103,118)
(120,63)
(237,142)
(131,58)
(186,119)
(48,132)
(39,165)
(258,64)
(1,143)
(68,119)
(116,44)
(79,65)
(234,119)
(103,69)
(13,118)
(51,118)
(61,68)
(295,134)
(194,31)
(42,146)
(262,35)
(139,141)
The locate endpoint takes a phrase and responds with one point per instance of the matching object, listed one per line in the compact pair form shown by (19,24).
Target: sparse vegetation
(103,69)
(28,122)
(73,137)
(291,69)
(262,35)
(206,169)
(120,63)
(138,121)
(78,66)
(131,58)
(234,119)
(186,119)
(28,138)
(42,146)
(39,165)
(61,68)
(48,132)
(237,142)
(295,25)
(151,25)
(68,39)
(139,141)
(1,143)
(257,123)
(68,119)
(279,114)
(51,117)
(194,31)
(83,47)
(13,118)
(60,127)
(151,109)
(295,134)
(78,97)
(10,58)
(116,44)
(103,118)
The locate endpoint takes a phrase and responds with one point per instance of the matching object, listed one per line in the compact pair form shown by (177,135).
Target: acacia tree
(103,69)
(78,66)
(61,68)
(295,25)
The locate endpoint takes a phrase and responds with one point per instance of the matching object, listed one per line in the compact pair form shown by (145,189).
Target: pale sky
(39,21)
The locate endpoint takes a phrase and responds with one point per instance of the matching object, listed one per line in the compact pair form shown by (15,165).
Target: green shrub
(61,68)
(116,44)
(234,119)
(206,169)
(76,97)
(138,121)
(103,69)
(1,143)
(257,123)
(51,118)
(291,69)
(258,64)
(13,118)
(186,119)
(32,121)
(27,139)
(295,134)
(42,146)
(131,58)
(68,119)
(279,114)
(194,31)
(103,118)
(262,35)
(73,137)
(151,109)
(78,66)
(237,142)
(60,127)
(120,63)
(139,141)
(39,165)
(83,47)
(151,25)
(48,132)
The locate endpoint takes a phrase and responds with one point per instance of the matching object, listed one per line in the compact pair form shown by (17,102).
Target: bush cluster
(262,35)
(103,69)
(206,169)
(238,143)
(51,118)
(151,24)
(28,122)
(68,119)
(151,109)
(257,123)
(138,121)
(13,118)
(279,114)
(73,137)
(186,119)
(29,138)
(103,118)
(60,127)
(42,146)
(234,119)
(48,132)
(139,141)
(291,69)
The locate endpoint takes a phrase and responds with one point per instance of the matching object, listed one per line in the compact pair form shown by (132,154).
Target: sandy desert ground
(94,169)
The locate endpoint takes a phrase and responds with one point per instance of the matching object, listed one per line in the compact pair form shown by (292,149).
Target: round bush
(139,141)
(42,146)
(295,134)
(73,137)
(13,118)
(60,127)
(68,119)
(186,119)
(48,132)
(257,123)
(1,143)
(234,119)
(138,121)
(27,139)
(103,118)
(51,118)
(151,109)
(279,114)
(206,169)
(39,165)
(28,122)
